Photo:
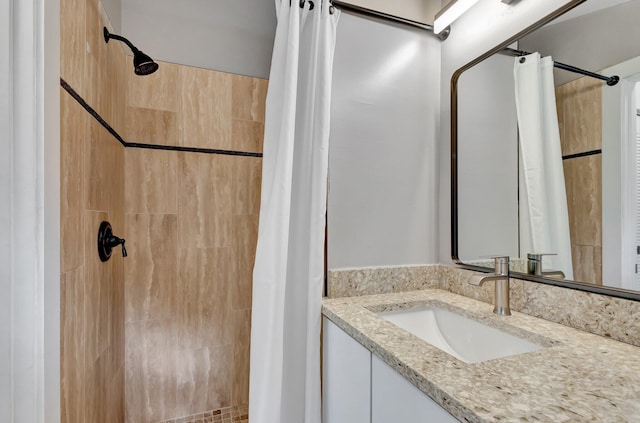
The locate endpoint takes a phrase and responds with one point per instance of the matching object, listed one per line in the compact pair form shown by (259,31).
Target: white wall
(226,35)
(415,10)
(487,173)
(6,392)
(568,41)
(484,26)
(618,190)
(383,161)
(114,11)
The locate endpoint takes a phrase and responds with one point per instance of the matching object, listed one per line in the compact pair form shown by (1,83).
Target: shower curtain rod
(610,80)
(381,15)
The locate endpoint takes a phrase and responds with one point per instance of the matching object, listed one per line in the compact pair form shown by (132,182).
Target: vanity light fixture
(450,13)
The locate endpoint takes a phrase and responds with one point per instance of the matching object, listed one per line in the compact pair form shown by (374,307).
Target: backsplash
(602,315)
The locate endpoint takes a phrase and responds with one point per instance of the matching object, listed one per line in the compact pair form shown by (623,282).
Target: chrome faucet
(534,266)
(501,278)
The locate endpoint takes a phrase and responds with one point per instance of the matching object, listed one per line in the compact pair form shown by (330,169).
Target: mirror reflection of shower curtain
(544,217)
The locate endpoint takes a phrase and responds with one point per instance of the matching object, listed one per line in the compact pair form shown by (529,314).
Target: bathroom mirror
(546,155)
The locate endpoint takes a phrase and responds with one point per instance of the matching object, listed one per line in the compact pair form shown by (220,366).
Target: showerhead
(142,64)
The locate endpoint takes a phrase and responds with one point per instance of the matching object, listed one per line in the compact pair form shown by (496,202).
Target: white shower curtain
(544,218)
(289,267)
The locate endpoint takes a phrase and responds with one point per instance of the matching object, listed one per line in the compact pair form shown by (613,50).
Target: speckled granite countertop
(577,377)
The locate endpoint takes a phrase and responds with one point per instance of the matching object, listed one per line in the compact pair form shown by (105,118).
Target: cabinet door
(395,399)
(346,377)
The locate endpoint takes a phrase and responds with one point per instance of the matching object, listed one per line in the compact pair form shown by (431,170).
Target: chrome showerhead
(142,64)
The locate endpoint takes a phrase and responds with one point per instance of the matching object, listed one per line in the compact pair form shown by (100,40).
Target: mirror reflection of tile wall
(579,105)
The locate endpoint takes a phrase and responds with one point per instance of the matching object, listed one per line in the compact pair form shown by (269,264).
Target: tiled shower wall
(579,105)
(191,223)
(92,190)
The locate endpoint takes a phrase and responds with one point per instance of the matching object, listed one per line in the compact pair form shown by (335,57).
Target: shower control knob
(107,241)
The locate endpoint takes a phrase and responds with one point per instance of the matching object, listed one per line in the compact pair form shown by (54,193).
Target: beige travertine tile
(116,397)
(245,238)
(72,346)
(249,97)
(242,340)
(73,188)
(158,91)
(152,181)
(205,379)
(134,372)
(96,390)
(204,116)
(104,161)
(151,268)
(247,178)
(150,370)
(583,179)
(92,190)
(212,190)
(95,52)
(204,200)
(587,263)
(261,97)
(149,126)
(116,85)
(247,135)
(204,277)
(117,306)
(204,231)
(560,94)
(72,43)
(581,115)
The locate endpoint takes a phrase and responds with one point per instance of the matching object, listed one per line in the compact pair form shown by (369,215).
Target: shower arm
(108,36)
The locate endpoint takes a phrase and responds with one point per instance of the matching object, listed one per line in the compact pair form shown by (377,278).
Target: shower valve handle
(113,241)
(107,241)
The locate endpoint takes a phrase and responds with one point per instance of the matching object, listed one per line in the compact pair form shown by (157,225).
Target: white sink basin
(463,338)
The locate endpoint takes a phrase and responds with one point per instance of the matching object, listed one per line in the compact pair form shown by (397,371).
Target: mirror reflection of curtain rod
(610,80)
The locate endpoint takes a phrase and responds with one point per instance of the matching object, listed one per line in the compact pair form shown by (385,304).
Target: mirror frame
(581,286)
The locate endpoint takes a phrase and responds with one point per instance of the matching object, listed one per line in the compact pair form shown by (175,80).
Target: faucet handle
(502,265)
(493,256)
(534,264)
(497,258)
(538,256)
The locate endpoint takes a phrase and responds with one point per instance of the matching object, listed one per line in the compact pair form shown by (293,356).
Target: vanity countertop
(577,377)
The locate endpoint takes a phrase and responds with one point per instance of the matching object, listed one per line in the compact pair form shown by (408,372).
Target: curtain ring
(523,59)
(311,5)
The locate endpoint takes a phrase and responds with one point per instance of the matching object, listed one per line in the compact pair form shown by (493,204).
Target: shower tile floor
(235,414)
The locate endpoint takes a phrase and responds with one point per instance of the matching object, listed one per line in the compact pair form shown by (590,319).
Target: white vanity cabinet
(358,387)
(346,377)
(395,399)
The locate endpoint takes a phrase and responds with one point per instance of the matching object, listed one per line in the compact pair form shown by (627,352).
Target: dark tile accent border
(584,154)
(91,111)
(124,143)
